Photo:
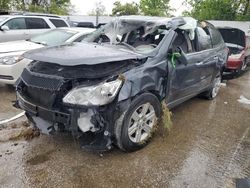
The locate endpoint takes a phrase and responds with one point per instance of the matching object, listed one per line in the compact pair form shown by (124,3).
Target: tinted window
(36,23)
(203,39)
(16,23)
(215,35)
(58,23)
(54,37)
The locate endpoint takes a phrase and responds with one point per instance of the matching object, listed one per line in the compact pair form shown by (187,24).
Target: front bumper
(53,116)
(97,135)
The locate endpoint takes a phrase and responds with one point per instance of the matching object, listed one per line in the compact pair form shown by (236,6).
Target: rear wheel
(135,127)
(213,92)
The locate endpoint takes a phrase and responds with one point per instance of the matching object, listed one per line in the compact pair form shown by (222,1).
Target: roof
(31,15)
(244,26)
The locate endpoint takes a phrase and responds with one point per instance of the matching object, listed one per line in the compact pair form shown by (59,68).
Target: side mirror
(182,56)
(5,28)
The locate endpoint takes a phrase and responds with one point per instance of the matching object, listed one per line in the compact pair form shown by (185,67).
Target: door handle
(199,63)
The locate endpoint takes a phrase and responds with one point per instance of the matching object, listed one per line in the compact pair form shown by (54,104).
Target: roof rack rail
(28,14)
(40,14)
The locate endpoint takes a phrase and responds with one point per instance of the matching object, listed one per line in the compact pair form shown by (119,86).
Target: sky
(83,7)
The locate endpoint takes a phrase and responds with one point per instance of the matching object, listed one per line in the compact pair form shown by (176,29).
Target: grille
(52,83)
(40,89)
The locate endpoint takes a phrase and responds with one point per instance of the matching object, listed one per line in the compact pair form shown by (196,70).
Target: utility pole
(98,6)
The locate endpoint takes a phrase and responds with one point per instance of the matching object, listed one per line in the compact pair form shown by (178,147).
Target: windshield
(2,19)
(54,37)
(135,34)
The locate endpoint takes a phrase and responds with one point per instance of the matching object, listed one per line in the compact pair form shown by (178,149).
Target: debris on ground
(223,84)
(166,119)
(244,100)
(17,131)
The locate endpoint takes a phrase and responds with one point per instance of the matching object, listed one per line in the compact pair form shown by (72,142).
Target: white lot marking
(243,100)
(238,147)
(13,118)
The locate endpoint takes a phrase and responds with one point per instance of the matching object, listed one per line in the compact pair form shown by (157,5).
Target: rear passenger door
(17,30)
(210,50)
(36,26)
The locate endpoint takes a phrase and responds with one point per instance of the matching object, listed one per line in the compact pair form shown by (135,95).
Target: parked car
(109,89)
(21,27)
(11,60)
(239,49)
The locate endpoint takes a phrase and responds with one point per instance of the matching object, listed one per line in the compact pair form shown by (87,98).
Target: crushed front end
(58,98)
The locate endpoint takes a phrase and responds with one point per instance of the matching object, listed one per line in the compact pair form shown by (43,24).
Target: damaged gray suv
(108,89)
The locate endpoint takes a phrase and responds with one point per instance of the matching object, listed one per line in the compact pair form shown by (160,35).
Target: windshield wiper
(43,43)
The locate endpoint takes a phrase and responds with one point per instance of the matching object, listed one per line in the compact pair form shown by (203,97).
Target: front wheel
(135,127)
(213,92)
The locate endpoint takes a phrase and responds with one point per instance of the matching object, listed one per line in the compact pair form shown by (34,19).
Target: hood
(233,36)
(82,54)
(16,46)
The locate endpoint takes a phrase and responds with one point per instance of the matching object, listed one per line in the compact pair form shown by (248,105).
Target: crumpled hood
(82,54)
(16,46)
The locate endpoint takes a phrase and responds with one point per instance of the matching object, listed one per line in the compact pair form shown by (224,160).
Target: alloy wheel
(141,123)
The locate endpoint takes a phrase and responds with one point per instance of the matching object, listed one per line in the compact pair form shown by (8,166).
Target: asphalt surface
(208,145)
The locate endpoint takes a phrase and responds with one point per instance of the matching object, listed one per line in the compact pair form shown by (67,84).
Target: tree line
(61,7)
(219,9)
(199,9)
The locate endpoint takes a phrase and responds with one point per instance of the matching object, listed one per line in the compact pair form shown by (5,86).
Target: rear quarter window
(58,23)
(203,39)
(215,36)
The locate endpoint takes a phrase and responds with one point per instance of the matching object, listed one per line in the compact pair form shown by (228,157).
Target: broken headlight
(10,60)
(98,95)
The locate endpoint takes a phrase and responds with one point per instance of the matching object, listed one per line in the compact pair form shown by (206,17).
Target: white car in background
(11,61)
(22,27)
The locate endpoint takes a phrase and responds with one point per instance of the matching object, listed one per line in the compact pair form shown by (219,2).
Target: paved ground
(207,146)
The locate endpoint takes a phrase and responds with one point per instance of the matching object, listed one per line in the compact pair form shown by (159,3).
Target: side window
(215,35)
(202,39)
(16,23)
(182,40)
(36,23)
(58,23)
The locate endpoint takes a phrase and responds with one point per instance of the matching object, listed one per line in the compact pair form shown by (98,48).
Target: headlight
(10,60)
(100,94)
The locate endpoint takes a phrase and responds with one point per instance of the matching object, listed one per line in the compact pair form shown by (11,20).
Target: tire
(244,66)
(213,92)
(134,128)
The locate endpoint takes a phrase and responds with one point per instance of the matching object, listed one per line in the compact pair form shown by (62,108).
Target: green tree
(62,7)
(155,7)
(219,9)
(125,9)
(5,4)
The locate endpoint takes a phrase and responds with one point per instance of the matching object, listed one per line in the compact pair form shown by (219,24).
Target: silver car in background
(11,61)
(22,27)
